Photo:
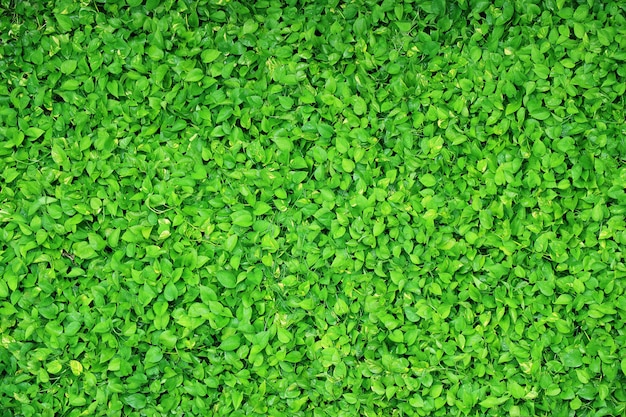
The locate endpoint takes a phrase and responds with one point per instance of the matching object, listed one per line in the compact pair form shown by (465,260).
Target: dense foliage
(314,208)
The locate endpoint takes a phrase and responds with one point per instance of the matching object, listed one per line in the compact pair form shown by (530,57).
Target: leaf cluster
(312,208)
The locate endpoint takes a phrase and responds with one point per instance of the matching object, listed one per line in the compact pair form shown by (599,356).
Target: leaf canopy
(312,208)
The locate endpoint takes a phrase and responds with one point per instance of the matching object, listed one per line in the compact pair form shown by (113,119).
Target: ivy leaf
(34,132)
(491,402)
(242,218)
(154,355)
(137,401)
(230,343)
(227,279)
(360,106)
(572,358)
(194,75)
(250,26)
(68,67)
(210,55)
(168,339)
(428,180)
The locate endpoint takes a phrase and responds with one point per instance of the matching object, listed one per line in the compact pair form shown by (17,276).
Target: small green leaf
(227,278)
(342,144)
(428,180)
(76,367)
(347,165)
(36,57)
(572,358)
(360,26)
(154,355)
(538,112)
(209,55)
(250,26)
(261,207)
(283,335)
(64,22)
(516,390)
(155,53)
(293,357)
(539,149)
(194,75)
(230,343)
(70,85)
(54,367)
(242,218)
(319,154)
(68,67)
(284,144)
(237,398)
(231,243)
(34,132)
(83,250)
(491,402)
(325,130)
(58,155)
(137,401)
(170,292)
(168,339)
(360,107)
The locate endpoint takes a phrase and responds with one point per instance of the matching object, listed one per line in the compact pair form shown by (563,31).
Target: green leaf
(68,67)
(168,339)
(237,399)
(572,358)
(64,22)
(58,155)
(284,144)
(347,165)
(36,57)
(342,144)
(154,355)
(155,53)
(231,242)
(76,367)
(194,75)
(210,55)
(283,335)
(428,180)
(230,343)
(360,26)
(293,357)
(250,26)
(170,292)
(325,130)
(516,390)
(537,111)
(137,401)
(261,208)
(491,402)
(54,367)
(242,218)
(70,85)
(360,107)
(227,279)
(34,132)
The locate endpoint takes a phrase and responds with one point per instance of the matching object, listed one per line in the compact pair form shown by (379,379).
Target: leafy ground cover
(315,208)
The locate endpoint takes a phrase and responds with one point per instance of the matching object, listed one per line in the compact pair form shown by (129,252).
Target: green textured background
(397,208)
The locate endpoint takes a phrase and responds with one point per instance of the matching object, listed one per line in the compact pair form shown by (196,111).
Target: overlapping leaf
(263,209)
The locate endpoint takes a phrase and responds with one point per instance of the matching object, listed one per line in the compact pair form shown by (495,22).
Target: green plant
(312,208)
